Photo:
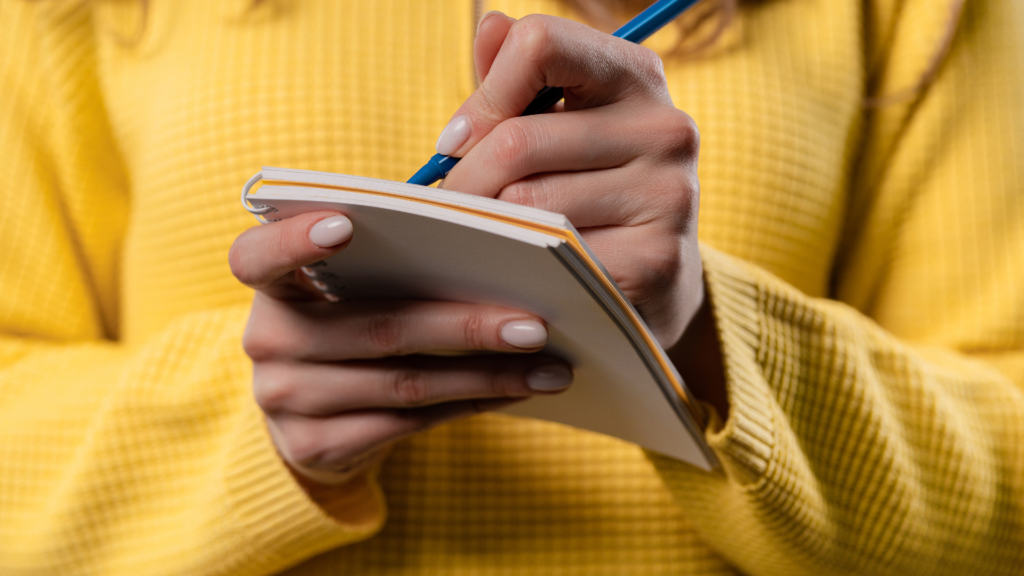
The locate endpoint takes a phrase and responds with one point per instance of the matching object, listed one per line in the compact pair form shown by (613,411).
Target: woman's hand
(619,160)
(340,382)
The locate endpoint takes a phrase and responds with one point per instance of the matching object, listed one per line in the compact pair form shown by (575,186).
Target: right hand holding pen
(341,382)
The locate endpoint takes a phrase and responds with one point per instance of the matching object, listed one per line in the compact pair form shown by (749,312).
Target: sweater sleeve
(882,432)
(147,458)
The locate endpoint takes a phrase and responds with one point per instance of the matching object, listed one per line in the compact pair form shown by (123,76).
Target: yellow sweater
(866,269)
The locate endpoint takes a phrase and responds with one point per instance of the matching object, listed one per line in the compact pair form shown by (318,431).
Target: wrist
(698,358)
(349,496)
(353,502)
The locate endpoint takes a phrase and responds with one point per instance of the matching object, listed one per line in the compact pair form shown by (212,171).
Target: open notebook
(413,241)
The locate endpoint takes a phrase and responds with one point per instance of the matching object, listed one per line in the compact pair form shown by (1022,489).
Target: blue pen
(636,30)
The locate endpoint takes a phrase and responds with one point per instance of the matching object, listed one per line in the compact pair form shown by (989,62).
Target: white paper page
(403,252)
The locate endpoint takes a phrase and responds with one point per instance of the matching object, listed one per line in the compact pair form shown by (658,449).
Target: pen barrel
(652,19)
(435,169)
(546,98)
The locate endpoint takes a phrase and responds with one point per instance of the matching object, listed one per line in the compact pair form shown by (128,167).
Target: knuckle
(259,343)
(678,197)
(683,135)
(486,106)
(473,326)
(273,393)
(522,192)
(384,333)
(409,387)
(686,203)
(513,143)
(531,37)
(650,66)
(646,70)
(502,385)
(302,446)
(674,192)
(661,264)
(651,273)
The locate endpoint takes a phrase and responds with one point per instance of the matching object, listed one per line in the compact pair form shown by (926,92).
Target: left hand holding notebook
(619,160)
(340,382)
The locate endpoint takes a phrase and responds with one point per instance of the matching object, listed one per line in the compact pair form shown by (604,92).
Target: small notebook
(419,242)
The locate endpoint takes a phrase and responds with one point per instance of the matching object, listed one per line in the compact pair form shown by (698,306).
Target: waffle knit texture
(865,266)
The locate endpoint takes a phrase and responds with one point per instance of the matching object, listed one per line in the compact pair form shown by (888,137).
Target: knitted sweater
(865,267)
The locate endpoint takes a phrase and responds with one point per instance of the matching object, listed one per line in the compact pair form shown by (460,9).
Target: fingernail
(524,333)
(454,135)
(331,297)
(331,231)
(549,377)
(486,15)
(309,272)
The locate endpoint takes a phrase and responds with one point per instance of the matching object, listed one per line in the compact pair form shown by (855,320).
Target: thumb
(266,257)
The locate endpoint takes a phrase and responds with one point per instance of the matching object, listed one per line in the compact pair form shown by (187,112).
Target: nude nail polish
(331,231)
(454,135)
(549,377)
(524,333)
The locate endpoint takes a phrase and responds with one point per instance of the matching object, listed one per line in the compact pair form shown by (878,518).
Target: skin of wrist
(698,358)
(352,503)
(350,500)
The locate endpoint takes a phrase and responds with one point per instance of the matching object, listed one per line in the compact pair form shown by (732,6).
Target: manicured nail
(308,271)
(524,333)
(331,231)
(549,377)
(320,285)
(486,15)
(331,297)
(454,135)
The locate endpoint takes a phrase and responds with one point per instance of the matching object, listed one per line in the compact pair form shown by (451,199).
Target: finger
(594,68)
(326,389)
(266,257)
(490,34)
(610,197)
(519,147)
(666,138)
(319,331)
(630,195)
(333,444)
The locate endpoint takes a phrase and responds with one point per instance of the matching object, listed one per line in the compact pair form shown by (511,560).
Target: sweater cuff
(745,442)
(267,504)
